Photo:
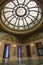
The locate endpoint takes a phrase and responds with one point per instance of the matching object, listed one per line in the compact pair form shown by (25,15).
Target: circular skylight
(21,15)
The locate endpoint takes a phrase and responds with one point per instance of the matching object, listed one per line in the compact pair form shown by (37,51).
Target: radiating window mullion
(34,11)
(10,19)
(23,24)
(4,16)
(14,3)
(27,23)
(32,7)
(31,20)
(18,23)
(8,8)
(17,2)
(33,17)
(15,23)
(28,3)
(38,13)
(8,11)
(9,23)
(9,16)
(24,2)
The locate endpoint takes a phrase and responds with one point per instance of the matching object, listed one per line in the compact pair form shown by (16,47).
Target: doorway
(28,51)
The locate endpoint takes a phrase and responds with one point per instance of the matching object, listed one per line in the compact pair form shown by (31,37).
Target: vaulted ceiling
(38,30)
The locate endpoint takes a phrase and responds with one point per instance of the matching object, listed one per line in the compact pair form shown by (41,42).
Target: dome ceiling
(21,17)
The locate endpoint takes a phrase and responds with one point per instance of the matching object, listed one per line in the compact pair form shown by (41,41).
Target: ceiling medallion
(20,16)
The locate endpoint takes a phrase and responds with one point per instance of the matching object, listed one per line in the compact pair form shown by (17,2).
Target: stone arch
(36,37)
(8,37)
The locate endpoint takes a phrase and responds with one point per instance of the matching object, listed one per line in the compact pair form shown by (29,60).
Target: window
(20,51)
(6,53)
(39,48)
(21,15)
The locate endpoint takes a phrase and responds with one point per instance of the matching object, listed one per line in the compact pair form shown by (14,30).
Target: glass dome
(21,15)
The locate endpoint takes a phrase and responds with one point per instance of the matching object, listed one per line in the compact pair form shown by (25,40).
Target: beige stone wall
(24,54)
(1,50)
(33,51)
(14,50)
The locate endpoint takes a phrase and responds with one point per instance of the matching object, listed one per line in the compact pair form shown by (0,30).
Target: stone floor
(27,62)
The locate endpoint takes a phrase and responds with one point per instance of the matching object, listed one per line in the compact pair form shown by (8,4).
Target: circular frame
(21,31)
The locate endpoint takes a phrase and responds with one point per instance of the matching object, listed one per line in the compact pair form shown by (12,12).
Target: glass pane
(21,23)
(15,1)
(6,51)
(24,14)
(10,5)
(19,51)
(20,1)
(26,1)
(28,20)
(33,13)
(32,4)
(13,21)
(8,14)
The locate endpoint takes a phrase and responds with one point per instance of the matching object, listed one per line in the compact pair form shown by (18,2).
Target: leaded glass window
(21,14)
